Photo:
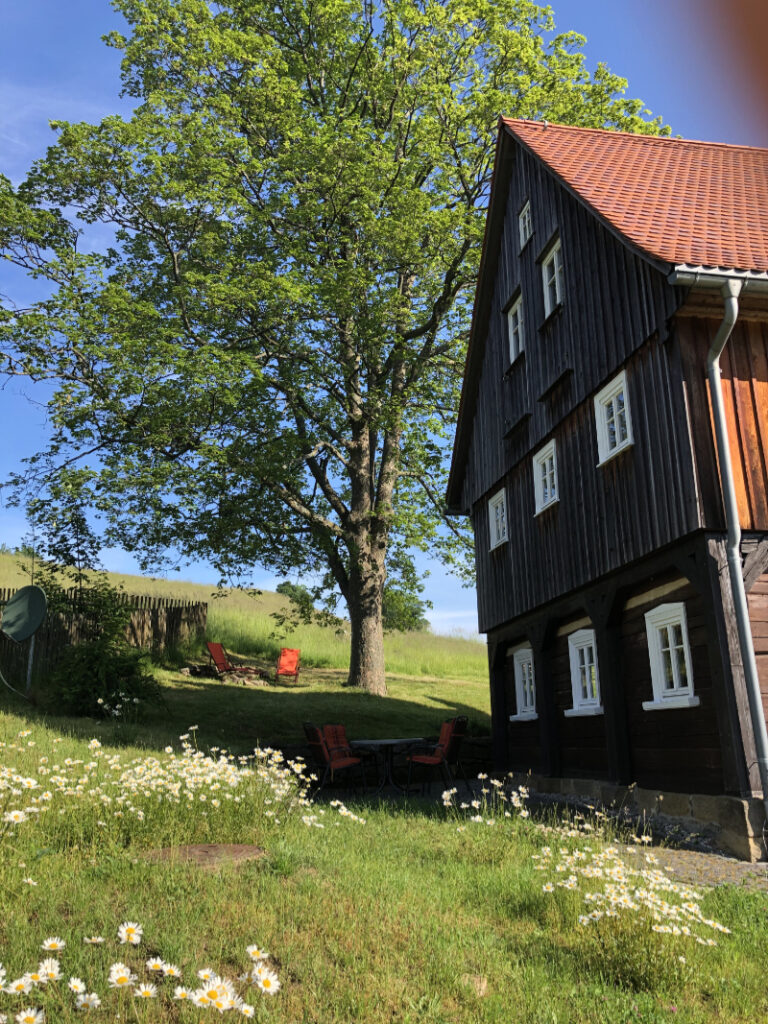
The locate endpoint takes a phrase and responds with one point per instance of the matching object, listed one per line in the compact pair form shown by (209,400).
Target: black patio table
(388,747)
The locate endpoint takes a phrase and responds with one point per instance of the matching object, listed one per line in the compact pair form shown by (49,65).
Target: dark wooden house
(586,456)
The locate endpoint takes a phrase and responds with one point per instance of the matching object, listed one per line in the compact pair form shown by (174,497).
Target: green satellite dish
(24,614)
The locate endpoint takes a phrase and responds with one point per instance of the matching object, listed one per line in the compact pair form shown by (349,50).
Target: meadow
(411,911)
(449,909)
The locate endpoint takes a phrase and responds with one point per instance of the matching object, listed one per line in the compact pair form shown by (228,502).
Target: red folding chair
(330,760)
(288,664)
(443,753)
(221,663)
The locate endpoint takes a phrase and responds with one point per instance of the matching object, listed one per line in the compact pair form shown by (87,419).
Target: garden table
(388,748)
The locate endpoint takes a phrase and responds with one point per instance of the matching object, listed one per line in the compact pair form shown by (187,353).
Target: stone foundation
(734,824)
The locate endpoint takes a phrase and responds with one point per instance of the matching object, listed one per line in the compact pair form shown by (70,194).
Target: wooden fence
(156,623)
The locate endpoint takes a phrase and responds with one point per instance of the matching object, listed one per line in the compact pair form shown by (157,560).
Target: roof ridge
(512,121)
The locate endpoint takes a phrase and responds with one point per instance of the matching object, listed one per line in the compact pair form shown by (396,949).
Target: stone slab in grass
(208,856)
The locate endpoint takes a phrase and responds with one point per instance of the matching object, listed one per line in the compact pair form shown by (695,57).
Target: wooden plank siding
(613,301)
(607,515)
(524,744)
(744,366)
(677,748)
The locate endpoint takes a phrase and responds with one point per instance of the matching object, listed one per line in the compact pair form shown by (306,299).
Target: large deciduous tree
(263,365)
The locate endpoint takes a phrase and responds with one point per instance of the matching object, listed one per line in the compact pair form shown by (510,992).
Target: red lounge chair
(329,759)
(444,753)
(288,664)
(222,664)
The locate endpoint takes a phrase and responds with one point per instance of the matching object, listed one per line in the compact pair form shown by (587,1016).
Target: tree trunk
(366,662)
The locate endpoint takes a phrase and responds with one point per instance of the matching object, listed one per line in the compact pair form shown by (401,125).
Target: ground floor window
(525,685)
(670,657)
(585,679)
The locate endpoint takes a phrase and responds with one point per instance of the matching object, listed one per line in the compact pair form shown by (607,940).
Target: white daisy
(267,982)
(88,1001)
(53,945)
(30,1016)
(146,991)
(120,976)
(76,985)
(130,932)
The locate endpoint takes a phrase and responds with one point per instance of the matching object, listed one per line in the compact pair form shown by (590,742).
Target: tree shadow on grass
(240,717)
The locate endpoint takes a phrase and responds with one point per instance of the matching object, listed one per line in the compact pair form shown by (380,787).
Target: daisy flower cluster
(494,802)
(609,887)
(152,980)
(127,792)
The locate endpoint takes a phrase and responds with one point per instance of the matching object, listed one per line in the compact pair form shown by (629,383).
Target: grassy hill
(242,621)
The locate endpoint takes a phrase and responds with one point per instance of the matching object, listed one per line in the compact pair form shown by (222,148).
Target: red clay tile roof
(700,203)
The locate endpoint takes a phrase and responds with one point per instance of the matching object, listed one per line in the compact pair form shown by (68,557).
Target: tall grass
(243,622)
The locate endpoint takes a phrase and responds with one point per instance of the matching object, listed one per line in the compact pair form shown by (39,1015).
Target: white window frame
(552,278)
(525,685)
(516,329)
(546,492)
(657,621)
(498,536)
(582,641)
(605,410)
(525,224)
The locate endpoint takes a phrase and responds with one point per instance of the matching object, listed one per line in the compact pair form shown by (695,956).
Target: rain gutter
(731,285)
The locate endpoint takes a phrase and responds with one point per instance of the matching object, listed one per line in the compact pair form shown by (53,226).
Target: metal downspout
(731,290)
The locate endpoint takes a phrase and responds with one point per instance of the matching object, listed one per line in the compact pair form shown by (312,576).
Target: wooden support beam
(541,638)
(755,564)
(497,658)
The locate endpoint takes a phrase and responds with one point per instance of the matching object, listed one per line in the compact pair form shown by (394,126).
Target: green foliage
(267,361)
(403,611)
(100,674)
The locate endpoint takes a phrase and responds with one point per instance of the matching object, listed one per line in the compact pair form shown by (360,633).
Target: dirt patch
(208,856)
(698,868)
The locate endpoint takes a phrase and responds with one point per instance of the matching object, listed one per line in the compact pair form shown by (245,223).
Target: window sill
(583,712)
(551,316)
(616,451)
(671,702)
(525,716)
(546,508)
(498,544)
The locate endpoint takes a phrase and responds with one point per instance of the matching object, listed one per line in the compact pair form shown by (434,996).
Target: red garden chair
(330,759)
(288,664)
(222,664)
(443,753)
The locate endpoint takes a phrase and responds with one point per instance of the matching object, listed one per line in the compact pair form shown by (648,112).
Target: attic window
(497,515)
(525,224)
(515,329)
(552,276)
(612,419)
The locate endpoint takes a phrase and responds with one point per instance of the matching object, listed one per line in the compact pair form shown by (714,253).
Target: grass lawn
(416,915)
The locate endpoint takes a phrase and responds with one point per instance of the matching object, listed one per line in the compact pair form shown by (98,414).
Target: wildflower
(53,945)
(30,1016)
(88,1001)
(146,991)
(120,976)
(93,940)
(28,881)
(94,745)
(36,978)
(256,953)
(14,817)
(76,985)
(548,887)
(155,964)
(181,993)
(171,971)
(20,986)
(268,982)
(130,932)
(206,973)
(50,968)
(247,1010)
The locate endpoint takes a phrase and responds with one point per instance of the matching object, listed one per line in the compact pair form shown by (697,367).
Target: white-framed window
(585,680)
(516,329)
(552,276)
(497,515)
(545,477)
(612,419)
(670,656)
(525,685)
(525,223)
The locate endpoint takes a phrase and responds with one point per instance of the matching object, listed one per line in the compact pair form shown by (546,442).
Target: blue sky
(54,65)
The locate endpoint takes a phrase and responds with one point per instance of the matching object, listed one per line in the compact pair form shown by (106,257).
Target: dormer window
(525,224)
(515,329)
(545,477)
(612,419)
(497,515)
(552,276)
